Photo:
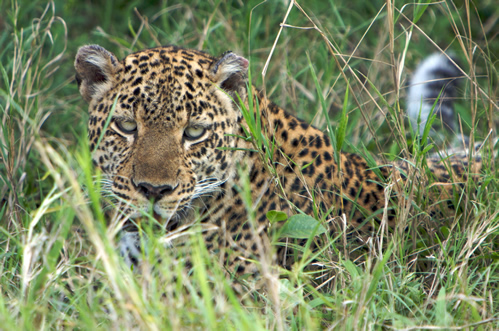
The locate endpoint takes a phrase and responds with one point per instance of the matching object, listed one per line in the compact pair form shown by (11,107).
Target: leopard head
(163,124)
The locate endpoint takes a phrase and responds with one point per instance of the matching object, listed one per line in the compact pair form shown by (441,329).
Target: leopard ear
(95,70)
(230,72)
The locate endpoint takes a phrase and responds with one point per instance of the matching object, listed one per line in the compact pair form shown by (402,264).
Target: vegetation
(346,64)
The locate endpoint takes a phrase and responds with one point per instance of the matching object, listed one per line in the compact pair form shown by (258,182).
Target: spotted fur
(173,148)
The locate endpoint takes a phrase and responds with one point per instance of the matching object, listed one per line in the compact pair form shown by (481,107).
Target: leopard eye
(194,132)
(127,126)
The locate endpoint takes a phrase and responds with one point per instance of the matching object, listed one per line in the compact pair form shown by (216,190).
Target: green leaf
(419,10)
(342,127)
(445,231)
(351,268)
(427,148)
(378,272)
(329,126)
(276,216)
(108,121)
(302,227)
(444,318)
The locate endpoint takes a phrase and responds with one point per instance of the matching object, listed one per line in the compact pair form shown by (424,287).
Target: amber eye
(194,132)
(127,126)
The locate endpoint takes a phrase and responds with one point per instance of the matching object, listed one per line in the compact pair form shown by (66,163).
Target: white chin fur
(165,214)
(130,250)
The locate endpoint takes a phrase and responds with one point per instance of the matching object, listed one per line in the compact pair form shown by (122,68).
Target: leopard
(169,128)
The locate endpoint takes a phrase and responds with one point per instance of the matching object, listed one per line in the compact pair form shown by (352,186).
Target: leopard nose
(155,192)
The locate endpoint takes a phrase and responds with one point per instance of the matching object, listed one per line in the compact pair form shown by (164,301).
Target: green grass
(58,265)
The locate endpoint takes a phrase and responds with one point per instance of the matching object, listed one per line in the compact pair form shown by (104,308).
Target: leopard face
(163,124)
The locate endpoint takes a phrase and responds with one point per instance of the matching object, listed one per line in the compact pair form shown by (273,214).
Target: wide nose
(157,162)
(154,192)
